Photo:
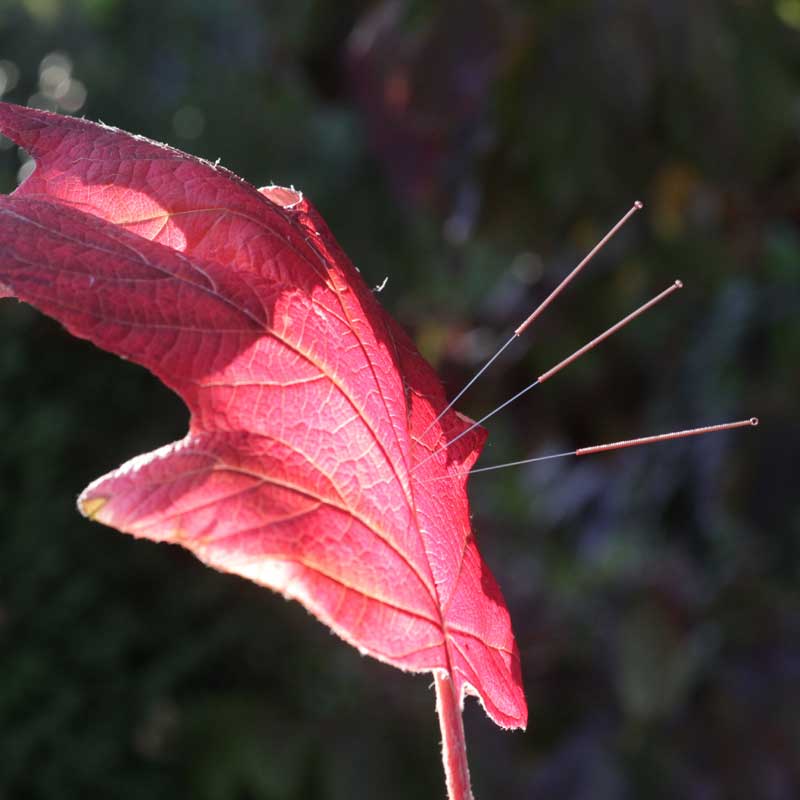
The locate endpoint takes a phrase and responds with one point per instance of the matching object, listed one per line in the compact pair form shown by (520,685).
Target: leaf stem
(454,745)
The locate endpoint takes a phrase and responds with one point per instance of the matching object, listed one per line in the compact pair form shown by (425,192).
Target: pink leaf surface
(310,407)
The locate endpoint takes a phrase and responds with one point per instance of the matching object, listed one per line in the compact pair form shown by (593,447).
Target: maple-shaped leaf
(313,464)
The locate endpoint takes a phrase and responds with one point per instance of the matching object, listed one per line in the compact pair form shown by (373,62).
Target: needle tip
(679,284)
(754,421)
(638,205)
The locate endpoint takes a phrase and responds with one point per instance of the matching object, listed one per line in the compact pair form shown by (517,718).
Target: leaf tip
(284,196)
(90,507)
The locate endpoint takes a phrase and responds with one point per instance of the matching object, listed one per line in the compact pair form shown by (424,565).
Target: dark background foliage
(471,152)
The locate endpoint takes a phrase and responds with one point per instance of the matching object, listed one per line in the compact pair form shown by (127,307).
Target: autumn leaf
(313,464)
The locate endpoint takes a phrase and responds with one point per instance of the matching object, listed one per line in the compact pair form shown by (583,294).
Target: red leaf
(309,406)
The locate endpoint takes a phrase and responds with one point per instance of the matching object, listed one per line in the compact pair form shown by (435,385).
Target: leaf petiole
(454,745)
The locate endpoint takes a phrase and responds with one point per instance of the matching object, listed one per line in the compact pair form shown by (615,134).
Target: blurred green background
(472,152)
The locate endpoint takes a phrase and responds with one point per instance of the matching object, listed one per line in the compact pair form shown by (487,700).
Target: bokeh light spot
(789,12)
(28,166)
(58,90)
(43,10)
(74,97)
(9,76)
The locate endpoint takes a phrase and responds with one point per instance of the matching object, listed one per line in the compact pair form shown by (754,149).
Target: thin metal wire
(524,461)
(475,424)
(500,466)
(469,383)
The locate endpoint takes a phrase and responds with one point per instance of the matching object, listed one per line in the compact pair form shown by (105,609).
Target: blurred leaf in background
(472,153)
